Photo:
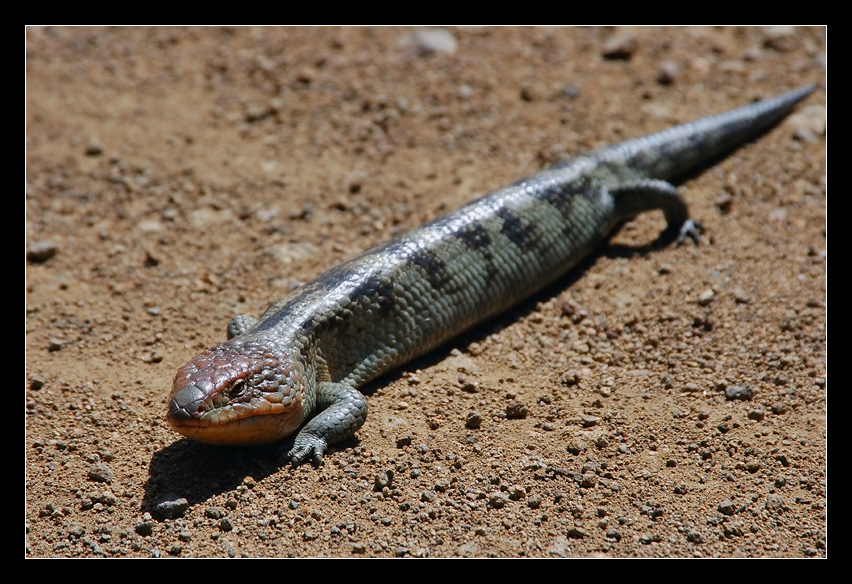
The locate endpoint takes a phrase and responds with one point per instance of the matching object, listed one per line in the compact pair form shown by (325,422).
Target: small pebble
(757,414)
(726,507)
(41,251)
(94,148)
(432,41)
(668,73)
(706,297)
(620,46)
(516,410)
(100,472)
(171,506)
(382,480)
(473,420)
(738,392)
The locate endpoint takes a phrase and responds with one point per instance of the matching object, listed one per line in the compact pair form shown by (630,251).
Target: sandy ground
(657,403)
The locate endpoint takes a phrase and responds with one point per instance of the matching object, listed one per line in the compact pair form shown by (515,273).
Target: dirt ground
(659,402)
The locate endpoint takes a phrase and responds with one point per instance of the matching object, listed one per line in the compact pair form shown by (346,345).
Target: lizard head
(237,393)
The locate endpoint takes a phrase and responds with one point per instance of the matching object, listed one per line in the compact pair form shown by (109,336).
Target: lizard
(298,368)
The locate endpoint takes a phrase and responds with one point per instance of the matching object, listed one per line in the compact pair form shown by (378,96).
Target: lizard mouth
(258,428)
(261,419)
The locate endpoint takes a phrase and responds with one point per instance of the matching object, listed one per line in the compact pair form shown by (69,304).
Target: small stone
(706,297)
(358,547)
(621,45)
(740,297)
(497,500)
(76,530)
(575,446)
(468,386)
(726,507)
(589,481)
(694,536)
(54,344)
(473,420)
(214,513)
(569,378)
(738,392)
(404,440)
(41,251)
(613,535)
(383,479)
(668,73)
(100,472)
(516,410)
(779,38)
(589,421)
(145,526)
(757,414)
(691,387)
(171,506)
(531,93)
(576,532)
(649,538)
(809,123)
(94,148)
(434,41)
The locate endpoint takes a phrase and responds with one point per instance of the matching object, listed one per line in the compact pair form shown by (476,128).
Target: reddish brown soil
(180,176)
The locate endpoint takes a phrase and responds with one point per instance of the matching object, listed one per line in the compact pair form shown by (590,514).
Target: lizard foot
(307,447)
(691,229)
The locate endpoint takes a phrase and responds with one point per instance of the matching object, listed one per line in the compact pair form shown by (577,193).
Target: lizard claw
(691,229)
(306,447)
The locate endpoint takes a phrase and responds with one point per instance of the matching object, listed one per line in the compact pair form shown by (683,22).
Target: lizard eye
(237,390)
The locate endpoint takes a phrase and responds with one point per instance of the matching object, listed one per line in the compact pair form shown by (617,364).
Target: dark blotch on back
(475,236)
(513,228)
(432,266)
(378,289)
(562,196)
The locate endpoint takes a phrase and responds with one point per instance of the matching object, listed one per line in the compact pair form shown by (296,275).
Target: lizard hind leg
(638,196)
